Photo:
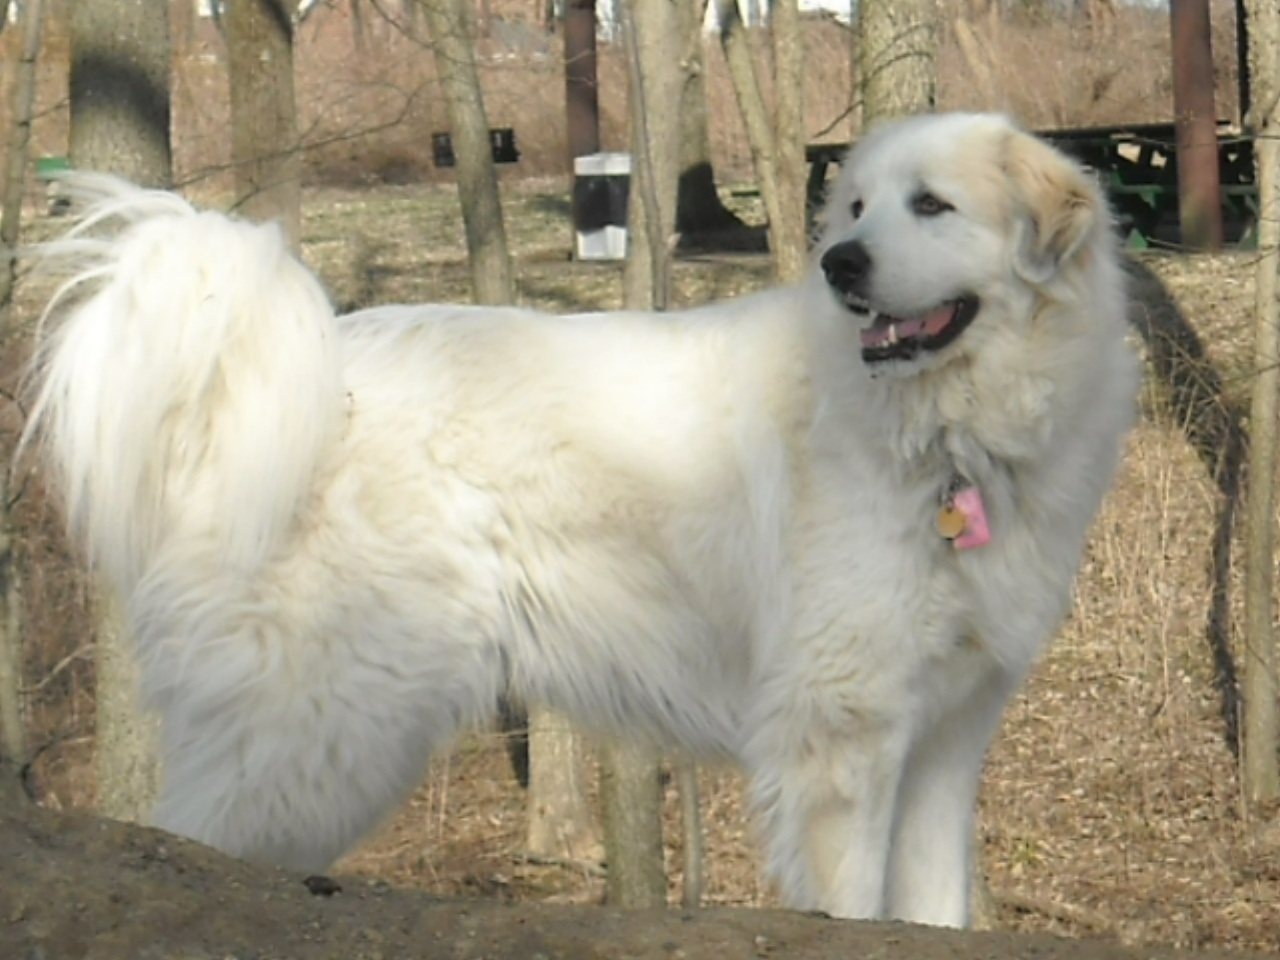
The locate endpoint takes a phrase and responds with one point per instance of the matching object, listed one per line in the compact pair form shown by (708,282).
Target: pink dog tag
(968,501)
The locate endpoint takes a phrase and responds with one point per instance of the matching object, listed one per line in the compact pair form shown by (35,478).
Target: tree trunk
(655,81)
(1261,740)
(560,822)
(694,846)
(855,69)
(630,788)
(699,209)
(755,118)
(452,33)
(127,756)
(1101,15)
(120,89)
(789,239)
(120,124)
(983,914)
(898,43)
(13,741)
(15,177)
(357,27)
(264,114)
(631,796)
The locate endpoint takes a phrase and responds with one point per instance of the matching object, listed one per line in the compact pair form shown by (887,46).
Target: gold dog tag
(950,521)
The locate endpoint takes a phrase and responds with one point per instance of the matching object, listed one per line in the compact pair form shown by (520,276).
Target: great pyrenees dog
(821,531)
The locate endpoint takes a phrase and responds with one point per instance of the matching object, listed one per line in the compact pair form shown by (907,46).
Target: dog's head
(942,226)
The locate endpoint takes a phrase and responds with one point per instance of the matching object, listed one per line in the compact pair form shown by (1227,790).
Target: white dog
(822,531)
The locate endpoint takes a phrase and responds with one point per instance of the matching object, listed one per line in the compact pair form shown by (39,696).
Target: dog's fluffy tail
(186,381)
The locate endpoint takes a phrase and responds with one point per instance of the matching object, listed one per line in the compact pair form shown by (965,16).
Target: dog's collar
(962,516)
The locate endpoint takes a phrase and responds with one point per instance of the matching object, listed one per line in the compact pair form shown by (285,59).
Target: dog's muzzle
(847,267)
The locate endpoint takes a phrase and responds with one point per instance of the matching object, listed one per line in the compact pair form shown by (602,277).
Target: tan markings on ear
(1060,200)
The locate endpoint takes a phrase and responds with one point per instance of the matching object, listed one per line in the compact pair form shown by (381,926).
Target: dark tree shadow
(1214,426)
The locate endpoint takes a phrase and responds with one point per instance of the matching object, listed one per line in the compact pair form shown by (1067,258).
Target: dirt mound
(76,886)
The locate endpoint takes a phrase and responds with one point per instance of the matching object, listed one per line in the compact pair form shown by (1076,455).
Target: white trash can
(601,183)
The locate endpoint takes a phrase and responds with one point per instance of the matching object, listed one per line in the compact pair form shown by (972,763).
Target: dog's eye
(927,204)
(855,208)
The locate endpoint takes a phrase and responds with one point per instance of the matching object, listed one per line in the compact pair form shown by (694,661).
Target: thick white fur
(341,540)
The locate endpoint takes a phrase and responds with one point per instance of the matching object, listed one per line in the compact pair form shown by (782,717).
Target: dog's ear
(1059,205)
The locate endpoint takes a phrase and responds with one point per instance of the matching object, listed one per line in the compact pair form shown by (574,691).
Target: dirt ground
(1111,807)
(76,886)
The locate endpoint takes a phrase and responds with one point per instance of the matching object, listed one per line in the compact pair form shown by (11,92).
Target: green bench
(47,170)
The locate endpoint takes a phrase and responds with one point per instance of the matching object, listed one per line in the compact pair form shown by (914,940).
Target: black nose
(846,266)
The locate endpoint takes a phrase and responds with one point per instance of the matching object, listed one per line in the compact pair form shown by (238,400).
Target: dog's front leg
(931,862)
(828,814)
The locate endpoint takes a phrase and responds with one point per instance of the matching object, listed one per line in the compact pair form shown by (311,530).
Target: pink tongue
(932,323)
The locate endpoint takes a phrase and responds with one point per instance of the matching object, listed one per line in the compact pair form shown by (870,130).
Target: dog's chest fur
(890,601)
(887,597)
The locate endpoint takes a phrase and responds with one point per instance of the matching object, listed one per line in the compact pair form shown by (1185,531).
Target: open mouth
(903,338)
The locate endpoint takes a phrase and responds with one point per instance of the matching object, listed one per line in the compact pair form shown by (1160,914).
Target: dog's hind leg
(286,750)
(931,861)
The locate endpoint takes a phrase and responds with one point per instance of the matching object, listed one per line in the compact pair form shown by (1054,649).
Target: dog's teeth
(893,334)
